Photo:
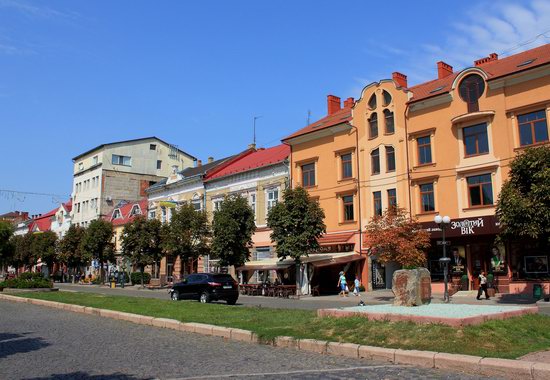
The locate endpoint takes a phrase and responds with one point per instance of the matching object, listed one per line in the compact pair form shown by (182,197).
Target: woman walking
(342,283)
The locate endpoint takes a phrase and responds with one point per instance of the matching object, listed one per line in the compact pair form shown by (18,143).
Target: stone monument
(412,287)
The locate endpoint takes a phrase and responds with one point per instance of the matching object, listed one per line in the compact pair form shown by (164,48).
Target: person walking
(342,283)
(482,286)
(356,285)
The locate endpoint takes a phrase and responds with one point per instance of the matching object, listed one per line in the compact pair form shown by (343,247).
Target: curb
(505,368)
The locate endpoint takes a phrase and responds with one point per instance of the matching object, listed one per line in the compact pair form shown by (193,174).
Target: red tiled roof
(494,69)
(43,223)
(68,205)
(125,211)
(339,117)
(252,160)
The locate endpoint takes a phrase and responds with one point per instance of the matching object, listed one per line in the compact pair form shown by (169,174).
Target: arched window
(470,89)
(390,159)
(387,98)
(373,126)
(372,102)
(375,161)
(388,116)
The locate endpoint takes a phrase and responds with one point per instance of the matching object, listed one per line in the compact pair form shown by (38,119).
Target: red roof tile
(494,69)
(339,117)
(252,160)
(125,211)
(43,223)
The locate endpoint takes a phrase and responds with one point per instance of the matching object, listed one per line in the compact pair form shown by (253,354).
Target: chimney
(400,79)
(490,58)
(199,163)
(210,159)
(349,102)
(252,146)
(443,70)
(333,103)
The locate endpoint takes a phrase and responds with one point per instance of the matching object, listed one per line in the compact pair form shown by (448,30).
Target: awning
(342,237)
(268,264)
(168,204)
(317,260)
(338,258)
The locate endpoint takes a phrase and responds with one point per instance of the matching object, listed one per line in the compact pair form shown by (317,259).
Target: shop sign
(335,248)
(467,226)
(482,225)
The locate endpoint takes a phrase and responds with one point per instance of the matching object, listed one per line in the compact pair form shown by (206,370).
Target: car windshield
(222,277)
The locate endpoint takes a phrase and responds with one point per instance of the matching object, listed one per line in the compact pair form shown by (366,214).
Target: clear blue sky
(75,74)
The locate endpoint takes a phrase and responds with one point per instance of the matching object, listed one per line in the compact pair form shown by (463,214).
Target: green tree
(187,235)
(394,236)
(232,227)
(297,222)
(141,242)
(97,243)
(69,248)
(523,206)
(22,251)
(43,247)
(6,244)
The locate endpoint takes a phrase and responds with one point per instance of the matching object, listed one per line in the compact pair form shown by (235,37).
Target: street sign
(440,242)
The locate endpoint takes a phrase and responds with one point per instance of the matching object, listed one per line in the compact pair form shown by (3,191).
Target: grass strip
(508,338)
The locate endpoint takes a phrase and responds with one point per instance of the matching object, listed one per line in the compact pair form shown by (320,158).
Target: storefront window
(529,261)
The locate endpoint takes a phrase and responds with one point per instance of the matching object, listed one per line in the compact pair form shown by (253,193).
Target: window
(159,164)
(80,166)
(373,126)
(480,190)
(424,150)
(152,146)
(78,207)
(392,198)
(347,201)
(475,140)
(375,161)
(272,198)
(95,160)
(427,202)
(346,166)
(217,204)
(532,128)
(135,210)
(377,198)
(308,175)
(163,215)
(122,160)
(390,159)
(372,102)
(196,204)
(252,203)
(152,214)
(388,116)
(470,89)
(386,98)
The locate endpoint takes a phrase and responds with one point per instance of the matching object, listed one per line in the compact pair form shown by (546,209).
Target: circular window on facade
(470,89)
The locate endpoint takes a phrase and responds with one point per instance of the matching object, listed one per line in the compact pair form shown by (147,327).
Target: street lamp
(443,222)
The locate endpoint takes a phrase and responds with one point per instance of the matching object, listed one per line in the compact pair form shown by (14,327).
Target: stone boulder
(412,287)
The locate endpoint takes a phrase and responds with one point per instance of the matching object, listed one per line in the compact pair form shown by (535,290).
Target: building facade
(120,172)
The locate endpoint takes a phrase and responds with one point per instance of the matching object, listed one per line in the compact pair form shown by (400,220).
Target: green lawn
(504,339)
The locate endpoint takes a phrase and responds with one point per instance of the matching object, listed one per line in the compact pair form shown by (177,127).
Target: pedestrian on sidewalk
(342,283)
(482,285)
(356,285)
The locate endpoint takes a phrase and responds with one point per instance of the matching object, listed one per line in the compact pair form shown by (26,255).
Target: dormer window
(117,214)
(470,89)
(135,210)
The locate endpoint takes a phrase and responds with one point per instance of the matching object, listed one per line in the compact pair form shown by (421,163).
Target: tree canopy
(297,222)
(232,227)
(141,242)
(97,242)
(6,243)
(523,206)
(187,235)
(394,236)
(69,248)
(22,250)
(43,247)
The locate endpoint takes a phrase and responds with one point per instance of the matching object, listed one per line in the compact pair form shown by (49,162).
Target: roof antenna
(254,139)
(308,116)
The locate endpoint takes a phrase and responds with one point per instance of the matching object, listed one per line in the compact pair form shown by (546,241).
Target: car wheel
(205,297)
(175,296)
(232,301)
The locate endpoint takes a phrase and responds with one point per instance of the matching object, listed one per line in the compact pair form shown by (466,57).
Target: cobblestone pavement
(42,343)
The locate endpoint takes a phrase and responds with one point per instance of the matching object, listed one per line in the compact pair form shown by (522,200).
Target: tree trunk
(142,269)
(298,287)
(101,273)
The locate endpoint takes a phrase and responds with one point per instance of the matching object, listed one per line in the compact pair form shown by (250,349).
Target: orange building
(325,161)
(464,128)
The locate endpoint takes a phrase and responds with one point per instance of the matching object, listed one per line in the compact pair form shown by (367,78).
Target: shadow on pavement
(86,376)
(515,299)
(10,344)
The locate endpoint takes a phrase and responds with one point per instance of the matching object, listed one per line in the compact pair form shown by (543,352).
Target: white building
(120,171)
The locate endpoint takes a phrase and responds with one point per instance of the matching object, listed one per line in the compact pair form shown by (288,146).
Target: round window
(471,88)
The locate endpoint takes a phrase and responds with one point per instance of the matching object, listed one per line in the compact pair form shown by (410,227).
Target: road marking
(305,371)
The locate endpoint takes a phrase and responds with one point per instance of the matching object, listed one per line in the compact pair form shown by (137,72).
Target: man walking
(482,286)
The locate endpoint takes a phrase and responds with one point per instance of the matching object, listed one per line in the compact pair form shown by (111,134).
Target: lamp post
(443,222)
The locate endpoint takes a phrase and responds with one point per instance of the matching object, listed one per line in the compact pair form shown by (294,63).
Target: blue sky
(76,74)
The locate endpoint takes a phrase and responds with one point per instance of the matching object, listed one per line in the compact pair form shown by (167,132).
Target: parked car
(206,287)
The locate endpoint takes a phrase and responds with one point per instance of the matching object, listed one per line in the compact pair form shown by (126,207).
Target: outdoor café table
(285,290)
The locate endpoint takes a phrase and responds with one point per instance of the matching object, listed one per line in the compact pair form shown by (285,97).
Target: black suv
(206,287)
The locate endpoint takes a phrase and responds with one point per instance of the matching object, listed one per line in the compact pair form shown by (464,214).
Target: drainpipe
(408,159)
